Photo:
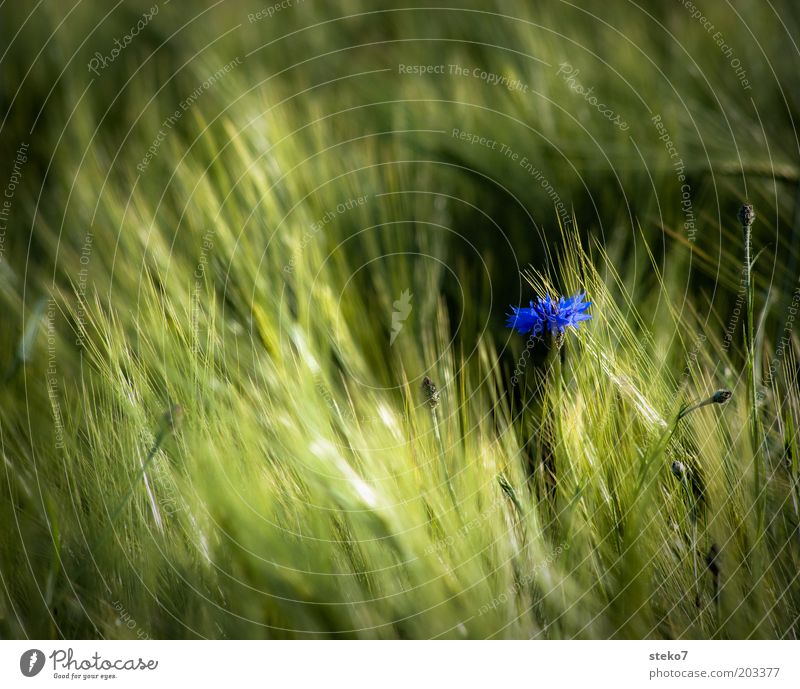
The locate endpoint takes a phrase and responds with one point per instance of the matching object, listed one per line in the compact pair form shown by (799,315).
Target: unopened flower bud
(431,392)
(679,470)
(747,215)
(721,396)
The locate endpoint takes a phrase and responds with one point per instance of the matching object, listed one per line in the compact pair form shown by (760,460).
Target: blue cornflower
(548,315)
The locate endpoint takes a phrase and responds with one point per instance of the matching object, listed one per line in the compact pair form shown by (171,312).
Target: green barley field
(257,262)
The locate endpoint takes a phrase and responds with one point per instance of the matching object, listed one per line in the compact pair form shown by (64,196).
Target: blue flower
(548,315)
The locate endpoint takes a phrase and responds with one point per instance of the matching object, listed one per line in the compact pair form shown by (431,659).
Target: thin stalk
(693,516)
(547,429)
(654,454)
(681,472)
(168,423)
(443,462)
(660,446)
(142,473)
(432,396)
(694,562)
(153,504)
(440,444)
(713,567)
(719,397)
(794,474)
(747,217)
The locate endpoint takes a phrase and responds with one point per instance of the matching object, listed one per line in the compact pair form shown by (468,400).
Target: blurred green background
(218,204)
(330,72)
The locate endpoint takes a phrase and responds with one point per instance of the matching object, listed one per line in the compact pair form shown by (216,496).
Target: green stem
(692,502)
(139,475)
(167,426)
(755,433)
(654,454)
(445,473)
(547,427)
